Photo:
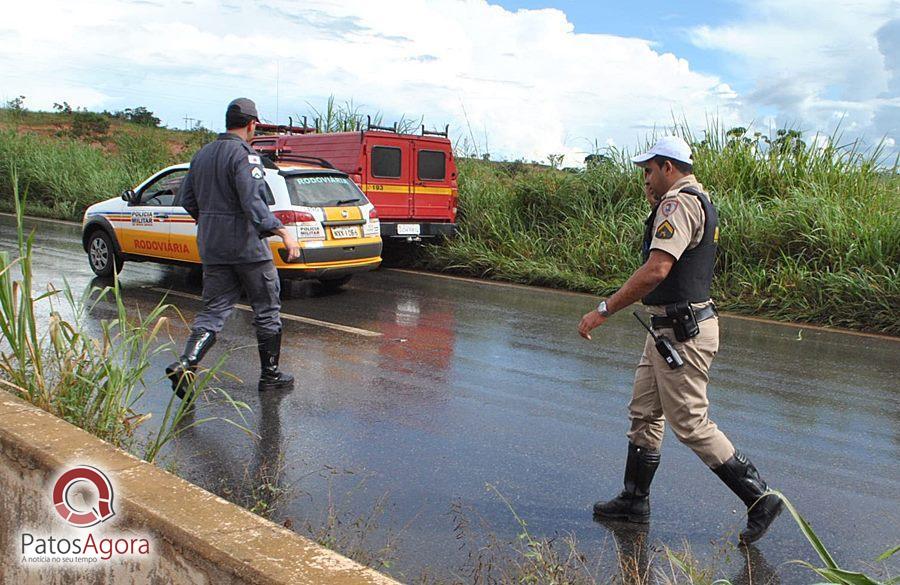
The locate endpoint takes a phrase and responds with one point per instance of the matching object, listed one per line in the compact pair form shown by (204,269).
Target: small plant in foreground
(52,361)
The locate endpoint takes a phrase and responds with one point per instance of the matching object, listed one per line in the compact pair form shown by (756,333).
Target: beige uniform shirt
(679,219)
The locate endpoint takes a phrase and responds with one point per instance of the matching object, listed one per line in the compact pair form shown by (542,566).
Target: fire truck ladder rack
(445,132)
(289,129)
(371,126)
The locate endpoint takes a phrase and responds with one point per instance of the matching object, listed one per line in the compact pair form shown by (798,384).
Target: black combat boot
(633,504)
(270,378)
(743,479)
(181,373)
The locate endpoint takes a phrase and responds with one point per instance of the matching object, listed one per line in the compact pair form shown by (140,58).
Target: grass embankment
(807,234)
(65,168)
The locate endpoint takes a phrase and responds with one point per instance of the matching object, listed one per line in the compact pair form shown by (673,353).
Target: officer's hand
(290,242)
(590,321)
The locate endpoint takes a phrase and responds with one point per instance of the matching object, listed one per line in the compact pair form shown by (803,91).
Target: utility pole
(187,121)
(277,79)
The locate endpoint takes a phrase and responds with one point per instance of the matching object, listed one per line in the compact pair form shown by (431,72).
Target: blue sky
(514,78)
(667,24)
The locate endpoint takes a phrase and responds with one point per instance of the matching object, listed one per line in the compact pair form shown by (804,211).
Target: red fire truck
(410,178)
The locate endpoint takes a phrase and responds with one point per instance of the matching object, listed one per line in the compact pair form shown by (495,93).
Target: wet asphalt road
(473,384)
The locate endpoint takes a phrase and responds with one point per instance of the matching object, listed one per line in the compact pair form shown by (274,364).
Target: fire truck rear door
(431,188)
(388,176)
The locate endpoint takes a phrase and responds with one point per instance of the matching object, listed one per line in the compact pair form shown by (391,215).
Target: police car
(335,224)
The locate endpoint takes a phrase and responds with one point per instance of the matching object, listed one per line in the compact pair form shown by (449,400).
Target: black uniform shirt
(225,192)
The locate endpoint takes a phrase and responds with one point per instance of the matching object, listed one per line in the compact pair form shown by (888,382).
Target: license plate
(408,229)
(347,231)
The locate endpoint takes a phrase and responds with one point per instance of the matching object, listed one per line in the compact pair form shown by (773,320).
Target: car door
(182,232)
(151,211)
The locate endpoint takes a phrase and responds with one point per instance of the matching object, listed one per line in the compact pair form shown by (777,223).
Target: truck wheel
(102,256)
(331,284)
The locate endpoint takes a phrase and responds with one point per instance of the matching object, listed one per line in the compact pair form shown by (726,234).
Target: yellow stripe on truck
(433,190)
(382,188)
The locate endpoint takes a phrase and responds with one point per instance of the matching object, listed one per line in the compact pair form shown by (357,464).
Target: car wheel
(335,283)
(102,256)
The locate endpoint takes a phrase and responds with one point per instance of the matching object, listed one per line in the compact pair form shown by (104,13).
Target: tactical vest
(691,276)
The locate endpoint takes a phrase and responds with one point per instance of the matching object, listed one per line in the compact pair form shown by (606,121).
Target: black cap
(243,106)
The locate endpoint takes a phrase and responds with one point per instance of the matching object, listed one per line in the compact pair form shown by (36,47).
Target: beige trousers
(679,396)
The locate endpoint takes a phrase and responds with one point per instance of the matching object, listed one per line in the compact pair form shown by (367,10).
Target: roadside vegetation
(559,560)
(90,376)
(809,232)
(71,159)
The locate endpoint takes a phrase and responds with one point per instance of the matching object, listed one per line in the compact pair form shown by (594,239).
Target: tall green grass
(65,175)
(807,234)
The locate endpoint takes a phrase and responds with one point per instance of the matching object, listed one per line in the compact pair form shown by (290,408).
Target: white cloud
(815,63)
(524,80)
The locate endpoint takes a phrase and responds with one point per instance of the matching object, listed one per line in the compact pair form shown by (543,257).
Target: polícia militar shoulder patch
(665,231)
(256,173)
(668,207)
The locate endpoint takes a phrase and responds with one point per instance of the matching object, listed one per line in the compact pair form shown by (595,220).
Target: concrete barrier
(194,536)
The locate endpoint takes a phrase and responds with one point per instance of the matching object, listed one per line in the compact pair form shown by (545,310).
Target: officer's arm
(188,198)
(250,184)
(643,281)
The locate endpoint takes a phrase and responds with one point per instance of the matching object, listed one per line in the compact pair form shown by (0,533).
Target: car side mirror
(128,195)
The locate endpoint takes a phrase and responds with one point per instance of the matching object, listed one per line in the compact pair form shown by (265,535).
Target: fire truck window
(386,162)
(432,165)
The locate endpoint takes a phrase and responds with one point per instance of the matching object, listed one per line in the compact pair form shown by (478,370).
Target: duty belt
(663,322)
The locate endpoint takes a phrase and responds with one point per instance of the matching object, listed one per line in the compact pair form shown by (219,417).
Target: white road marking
(289,317)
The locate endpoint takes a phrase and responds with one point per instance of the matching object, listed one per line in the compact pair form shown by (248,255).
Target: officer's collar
(229,136)
(679,185)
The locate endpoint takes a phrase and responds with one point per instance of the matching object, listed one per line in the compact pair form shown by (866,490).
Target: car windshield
(323,191)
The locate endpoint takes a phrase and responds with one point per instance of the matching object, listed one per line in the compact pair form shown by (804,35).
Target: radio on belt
(663,345)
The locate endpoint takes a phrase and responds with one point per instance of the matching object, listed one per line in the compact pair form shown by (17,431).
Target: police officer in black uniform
(225,192)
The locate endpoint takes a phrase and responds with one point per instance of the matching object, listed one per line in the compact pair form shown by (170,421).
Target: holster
(680,317)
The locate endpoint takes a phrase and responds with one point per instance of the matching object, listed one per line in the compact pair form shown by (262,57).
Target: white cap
(673,147)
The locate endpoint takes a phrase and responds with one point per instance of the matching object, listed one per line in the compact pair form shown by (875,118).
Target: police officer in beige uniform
(679,248)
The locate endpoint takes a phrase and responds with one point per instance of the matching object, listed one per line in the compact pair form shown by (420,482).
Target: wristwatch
(601,308)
